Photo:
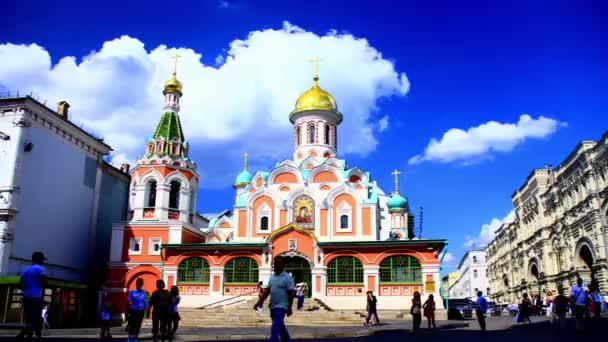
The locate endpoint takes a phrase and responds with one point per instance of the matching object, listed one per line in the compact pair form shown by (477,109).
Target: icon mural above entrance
(304,212)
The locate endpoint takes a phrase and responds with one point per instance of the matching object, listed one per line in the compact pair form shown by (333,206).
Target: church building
(339,231)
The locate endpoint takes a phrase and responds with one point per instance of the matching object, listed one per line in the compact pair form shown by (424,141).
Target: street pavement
(499,329)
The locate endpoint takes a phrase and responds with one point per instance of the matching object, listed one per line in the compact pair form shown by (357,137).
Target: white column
(175,234)
(432,270)
(322,272)
(375,272)
(215,271)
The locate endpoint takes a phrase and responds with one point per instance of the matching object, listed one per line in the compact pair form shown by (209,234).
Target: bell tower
(315,120)
(164,182)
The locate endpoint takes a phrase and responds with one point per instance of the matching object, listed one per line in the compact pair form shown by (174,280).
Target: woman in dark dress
(525,310)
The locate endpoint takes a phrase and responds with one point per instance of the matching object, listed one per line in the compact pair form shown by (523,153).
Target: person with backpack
(579,301)
(429,311)
(416,311)
(371,309)
(161,301)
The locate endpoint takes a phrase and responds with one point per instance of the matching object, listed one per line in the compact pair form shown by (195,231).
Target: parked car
(494,309)
(460,309)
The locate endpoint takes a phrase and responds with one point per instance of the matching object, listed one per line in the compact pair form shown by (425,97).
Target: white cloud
(383,124)
(488,231)
(240,105)
(449,258)
(481,141)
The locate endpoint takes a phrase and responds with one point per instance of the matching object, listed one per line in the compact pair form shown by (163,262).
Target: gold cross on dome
(396,174)
(315,61)
(245,156)
(176,56)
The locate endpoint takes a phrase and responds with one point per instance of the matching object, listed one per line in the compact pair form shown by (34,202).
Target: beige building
(559,231)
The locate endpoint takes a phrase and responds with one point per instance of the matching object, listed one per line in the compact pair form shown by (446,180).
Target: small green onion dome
(244,178)
(397,202)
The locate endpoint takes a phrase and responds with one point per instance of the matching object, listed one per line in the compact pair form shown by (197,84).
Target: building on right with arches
(559,232)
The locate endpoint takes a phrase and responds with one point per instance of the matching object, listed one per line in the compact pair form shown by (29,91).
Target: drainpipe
(162,263)
(443,253)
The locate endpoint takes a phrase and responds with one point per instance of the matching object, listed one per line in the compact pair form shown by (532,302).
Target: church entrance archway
(300,270)
(586,257)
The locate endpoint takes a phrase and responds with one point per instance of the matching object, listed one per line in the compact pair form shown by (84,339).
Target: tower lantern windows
(327,133)
(311,133)
(298,135)
(174,194)
(151,194)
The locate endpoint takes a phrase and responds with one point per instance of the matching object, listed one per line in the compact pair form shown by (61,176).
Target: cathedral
(341,233)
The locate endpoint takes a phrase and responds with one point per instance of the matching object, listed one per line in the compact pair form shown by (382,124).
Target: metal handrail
(227,299)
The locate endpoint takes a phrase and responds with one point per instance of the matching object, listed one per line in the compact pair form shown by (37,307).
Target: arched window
(298,135)
(264,223)
(344,221)
(241,270)
(151,191)
(335,136)
(311,133)
(345,269)
(327,130)
(174,194)
(401,269)
(193,270)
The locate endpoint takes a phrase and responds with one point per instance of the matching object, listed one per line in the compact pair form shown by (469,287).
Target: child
(106,306)
(175,318)
(300,291)
(371,309)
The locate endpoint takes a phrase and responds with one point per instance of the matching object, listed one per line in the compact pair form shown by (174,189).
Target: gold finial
(396,174)
(176,56)
(245,156)
(315,61)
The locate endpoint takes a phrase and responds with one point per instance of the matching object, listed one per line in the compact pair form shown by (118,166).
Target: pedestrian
(136,305)
(429,311)
(372,309)
(32,282)
(281,289)
(45,316)
(175,317)
(596,299)
(481,310)
(539,306)
(525,309)
(579,301)
(106,308)
(300,292)
(416,311)
(560,308)
(161,302)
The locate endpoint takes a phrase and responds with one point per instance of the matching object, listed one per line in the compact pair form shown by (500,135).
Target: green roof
(380,243)
(169,128)
(213,245)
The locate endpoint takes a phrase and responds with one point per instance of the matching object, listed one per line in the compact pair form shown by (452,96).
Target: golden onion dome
(173,84)
(316,99)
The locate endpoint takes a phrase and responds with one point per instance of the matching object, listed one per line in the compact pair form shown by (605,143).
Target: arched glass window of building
(345,270)
(151,194)
(344,221)
(241,270)
(193,270)
(174,194)
(311,133)
(400,269)
(326,136)
(264,223)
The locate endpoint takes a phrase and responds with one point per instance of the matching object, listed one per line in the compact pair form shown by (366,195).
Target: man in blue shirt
(137,303)
(281,289)
(33,281)
(482,309)
(579,299)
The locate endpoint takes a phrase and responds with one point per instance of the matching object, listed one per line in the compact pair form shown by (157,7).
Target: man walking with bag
(33,281)
(281,289)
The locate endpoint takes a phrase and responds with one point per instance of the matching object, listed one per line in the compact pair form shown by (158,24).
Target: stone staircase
(242,314)
(315,313)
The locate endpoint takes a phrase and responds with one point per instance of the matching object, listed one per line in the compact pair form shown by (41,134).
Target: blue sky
(468,63)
